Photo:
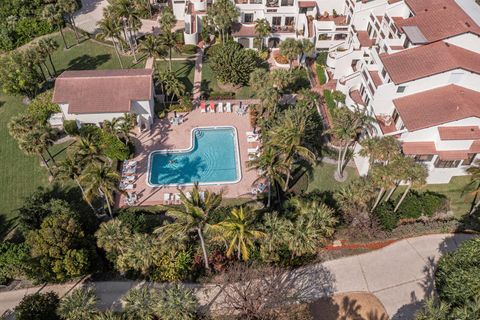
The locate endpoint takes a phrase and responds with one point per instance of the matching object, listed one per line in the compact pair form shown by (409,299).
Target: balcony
(248,1)
(272,4)
(386,124)
(283,29)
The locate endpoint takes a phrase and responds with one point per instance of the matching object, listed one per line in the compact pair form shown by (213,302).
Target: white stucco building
(94,96)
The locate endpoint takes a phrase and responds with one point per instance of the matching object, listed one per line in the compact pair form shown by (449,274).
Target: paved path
(400,275)
(197,77)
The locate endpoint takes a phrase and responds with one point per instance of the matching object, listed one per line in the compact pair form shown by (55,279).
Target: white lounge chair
(220,107)
(188,194)
(166,198)
(202,195)
(250,133)
(253,150)
(125,186)
(253,138)
(128,178)
(228,107)
(177,198)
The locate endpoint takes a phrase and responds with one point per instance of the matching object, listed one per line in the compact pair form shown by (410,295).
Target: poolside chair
(228,107)
(129,170)
(253,150)
(128,178)
(125,186)
(262,187)
(212,107)
(220,107)
(177,198)
(252,138)
(202,195)
(188,194)
(203,107)
(166,198)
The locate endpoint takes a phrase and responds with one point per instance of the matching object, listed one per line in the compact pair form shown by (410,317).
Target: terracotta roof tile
(453,155)
(437,106)
(439,19)
(423,147)
(364,40)
(376,78)
(459,133)
(475,147)
(427,60)
(241,30)
(357,97)
(102,91)
(307,4)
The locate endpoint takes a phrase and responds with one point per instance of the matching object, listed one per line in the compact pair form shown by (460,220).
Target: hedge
(417,204)
(320,73)
(322,58)
(222,95)
(385,216)
(189,49)
(327,96)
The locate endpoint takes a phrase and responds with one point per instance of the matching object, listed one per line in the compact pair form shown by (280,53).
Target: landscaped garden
(183,70)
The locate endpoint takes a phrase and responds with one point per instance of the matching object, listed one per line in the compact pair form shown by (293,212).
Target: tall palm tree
(262,29)
(271,167)
(109,29)
(48,46)
(38,56)
(291,49)
(288,136)
(139,255)
(113,236)
(269,97)
(194,216)
(100,179)
(281,79)
(167,19)
(222,14)
(151,47)
(54,16)
(89,150)
(71,169)
(38,141)
(473,188)
(348,127)
(125,127)
(169,40)
(383,178)
(380,149)
(125,12)
(171,85)
(68,7)
(110,315)
(79,305)
(238,229)
(307,48)
(139,303)
(416,176)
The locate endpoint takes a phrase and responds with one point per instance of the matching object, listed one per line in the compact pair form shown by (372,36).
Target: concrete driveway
(400,275)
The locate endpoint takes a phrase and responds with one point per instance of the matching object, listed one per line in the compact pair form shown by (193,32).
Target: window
(401,89)
(340,36)
(469,159)
(446,163)
(384,73)
(276,21)
(406,43)
(369,29)
(248,18)
(289,21)
(287,3)
(423,157)
(395,116)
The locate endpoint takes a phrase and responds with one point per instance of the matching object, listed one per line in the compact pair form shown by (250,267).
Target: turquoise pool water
(212,159)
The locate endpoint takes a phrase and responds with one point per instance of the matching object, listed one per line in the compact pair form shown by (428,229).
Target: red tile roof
(437,106)
(376,78)
(364,40)
(357,97)
(475,147)
(241,30)
(439,19)
(424,147)
(307,4)
(427,60)
(459,133)
(102,91)
(453,155)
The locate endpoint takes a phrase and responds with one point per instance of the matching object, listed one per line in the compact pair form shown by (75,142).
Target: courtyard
(167,136)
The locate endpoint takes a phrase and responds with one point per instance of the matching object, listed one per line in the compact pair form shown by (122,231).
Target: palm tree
(222,14)
(383,178)
(126,125)
(307,48)
(139,254)
(177,303)
(109,29)
(20,125)
(169,40)
(262,29)
(125,12)
(348,127)
(258,79)
(167,19)
(70,169)
(54,16)
(113,236)
(100,179)
(48,46)
(354,200)
(473,188)
(139,303)
(171,85)
(89,150)
(238,229)
(69,7)
(416,176)
(37,141)
(109,315)
(269,97)
(276,230)
(281,79)
(151,47)
(291,49)
(380,149)
(271,167)
(194,216)
(38,56)
(79,305)
(288,136)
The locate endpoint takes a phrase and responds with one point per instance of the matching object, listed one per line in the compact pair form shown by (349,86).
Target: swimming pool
(212,158)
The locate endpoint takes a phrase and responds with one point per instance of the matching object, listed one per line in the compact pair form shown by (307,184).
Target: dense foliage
(39,306)
(20,22)
(14,260)
(233,64)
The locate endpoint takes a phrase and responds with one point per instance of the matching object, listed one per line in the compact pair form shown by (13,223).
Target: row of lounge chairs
(221,107)
(174,198)
(129,170)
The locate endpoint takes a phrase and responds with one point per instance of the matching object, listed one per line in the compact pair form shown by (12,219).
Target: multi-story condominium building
(414,64)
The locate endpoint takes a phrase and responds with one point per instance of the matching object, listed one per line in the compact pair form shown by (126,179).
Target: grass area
(323,180)
(184,70)
(20,175)
(209,84)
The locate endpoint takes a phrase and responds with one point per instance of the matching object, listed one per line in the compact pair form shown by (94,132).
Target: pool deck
(164,135)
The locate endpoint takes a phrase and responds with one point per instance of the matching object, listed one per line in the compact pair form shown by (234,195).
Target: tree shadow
(88,62)
(183,73)
(205,88)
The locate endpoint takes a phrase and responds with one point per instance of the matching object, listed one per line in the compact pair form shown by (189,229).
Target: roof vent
(467,24)
(444,7)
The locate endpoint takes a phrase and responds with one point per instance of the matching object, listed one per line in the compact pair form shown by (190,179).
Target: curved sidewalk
(400,275)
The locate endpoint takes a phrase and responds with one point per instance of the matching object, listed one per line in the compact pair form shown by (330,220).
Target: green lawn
(20,175)
(323,180)
(209,84)
(184,70)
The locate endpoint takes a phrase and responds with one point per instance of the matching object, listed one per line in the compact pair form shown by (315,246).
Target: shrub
(232,64)
(189,49)
(328,97)
(173,268)
(13,261)
(42,107)
(321,58)
(113,147)
(322,78)
(71,127)
(457,278)
(263,55)
(281,59)
(385,215)
(417,204)
(300,80)
(38,306)
(135,222)
(213,49)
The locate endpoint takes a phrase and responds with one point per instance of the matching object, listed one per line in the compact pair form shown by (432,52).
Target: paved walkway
(400,275)
(197,76)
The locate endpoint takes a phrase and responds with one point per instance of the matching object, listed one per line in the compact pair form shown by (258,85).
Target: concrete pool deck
(164,135)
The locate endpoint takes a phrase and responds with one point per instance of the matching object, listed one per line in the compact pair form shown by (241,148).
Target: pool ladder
(199,134)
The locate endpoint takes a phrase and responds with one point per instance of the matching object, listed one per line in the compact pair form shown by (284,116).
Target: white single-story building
(93,96)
